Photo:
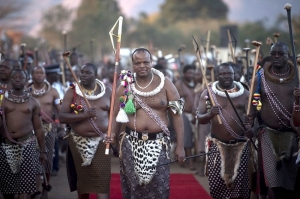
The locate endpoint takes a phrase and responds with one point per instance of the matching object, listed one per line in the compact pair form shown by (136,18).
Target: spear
(117,59)
(197,51)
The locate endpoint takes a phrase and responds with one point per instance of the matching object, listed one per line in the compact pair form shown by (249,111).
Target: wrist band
(44,151)
(296,107)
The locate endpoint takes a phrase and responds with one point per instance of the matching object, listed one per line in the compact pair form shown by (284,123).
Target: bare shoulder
(34,102)
(54,91)
(171,90)
(108,91)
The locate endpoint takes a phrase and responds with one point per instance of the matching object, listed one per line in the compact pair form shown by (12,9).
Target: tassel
(122,116)
(129,106)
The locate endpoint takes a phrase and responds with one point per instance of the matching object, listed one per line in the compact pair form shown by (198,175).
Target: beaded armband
(177,106)
(296,107)
(208,103)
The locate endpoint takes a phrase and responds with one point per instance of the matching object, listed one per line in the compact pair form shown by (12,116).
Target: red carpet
(183,186)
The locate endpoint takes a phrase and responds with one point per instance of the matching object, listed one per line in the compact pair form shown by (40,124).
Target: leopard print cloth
(86,146)
(140,178)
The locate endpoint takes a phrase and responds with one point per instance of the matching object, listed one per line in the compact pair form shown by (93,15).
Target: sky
(239,10)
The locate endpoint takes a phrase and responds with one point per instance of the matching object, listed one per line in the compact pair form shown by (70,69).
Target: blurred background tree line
(166,30)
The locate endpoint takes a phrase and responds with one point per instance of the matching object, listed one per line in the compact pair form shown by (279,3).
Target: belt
(21,139)
(144,135)
(234,141)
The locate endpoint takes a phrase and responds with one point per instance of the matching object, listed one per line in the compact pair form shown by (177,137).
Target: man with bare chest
(48,98)
(145,143)
(86,147)
(227,165)
(185,87)
(274,85)
(21,123)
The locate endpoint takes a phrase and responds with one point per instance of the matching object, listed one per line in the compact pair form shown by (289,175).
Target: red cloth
(183,186)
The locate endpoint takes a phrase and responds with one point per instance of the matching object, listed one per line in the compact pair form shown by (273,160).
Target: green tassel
(129,107)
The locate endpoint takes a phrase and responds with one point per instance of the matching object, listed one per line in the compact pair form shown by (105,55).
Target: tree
(177,10)
(54,22)
(11,10)
(94,20)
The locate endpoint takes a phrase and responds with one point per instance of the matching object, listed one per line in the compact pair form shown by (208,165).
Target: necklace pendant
(281,80)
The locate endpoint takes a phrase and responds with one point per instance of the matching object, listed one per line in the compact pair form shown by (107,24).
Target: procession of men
(217,120)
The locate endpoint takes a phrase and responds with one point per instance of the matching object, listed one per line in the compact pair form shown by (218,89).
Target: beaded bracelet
(44,151)
(296,107)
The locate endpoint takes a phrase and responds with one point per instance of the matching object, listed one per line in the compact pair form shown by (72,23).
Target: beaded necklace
(156,90)
(278,80)
(281,74)
(273,100)
(19,100)
(40,92)
(231,93)
(90,92)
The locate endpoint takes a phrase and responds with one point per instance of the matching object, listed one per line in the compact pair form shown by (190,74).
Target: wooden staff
(288,8)
(36,56)
(247,64)
(230,45)
(257,46)
(23,45)
(117,59)
(197,51)
(269,41)
(63,77)
(66,56)
(206,50)
(276,35)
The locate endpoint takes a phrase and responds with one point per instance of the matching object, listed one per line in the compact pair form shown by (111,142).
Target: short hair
(235,66)
(141,50)
(223,64)
(8,60)
(281,43)
(93,66)
(19,70)
(188,67)
(38,67)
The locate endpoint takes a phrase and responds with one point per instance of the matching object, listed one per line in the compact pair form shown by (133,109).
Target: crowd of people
(156,118)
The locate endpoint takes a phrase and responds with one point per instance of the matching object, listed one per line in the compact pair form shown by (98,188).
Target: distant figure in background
(201,130)
(163,62)
(161,68)
(185,87)
(6,68)
(110,75)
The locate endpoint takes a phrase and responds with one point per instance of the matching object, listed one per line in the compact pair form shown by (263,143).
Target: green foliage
(95,19)
(178,10)
(54,22)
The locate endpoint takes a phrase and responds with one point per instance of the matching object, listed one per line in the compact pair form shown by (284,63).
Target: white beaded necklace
(147,84)
(92,97)
(231,95)
(156,90)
